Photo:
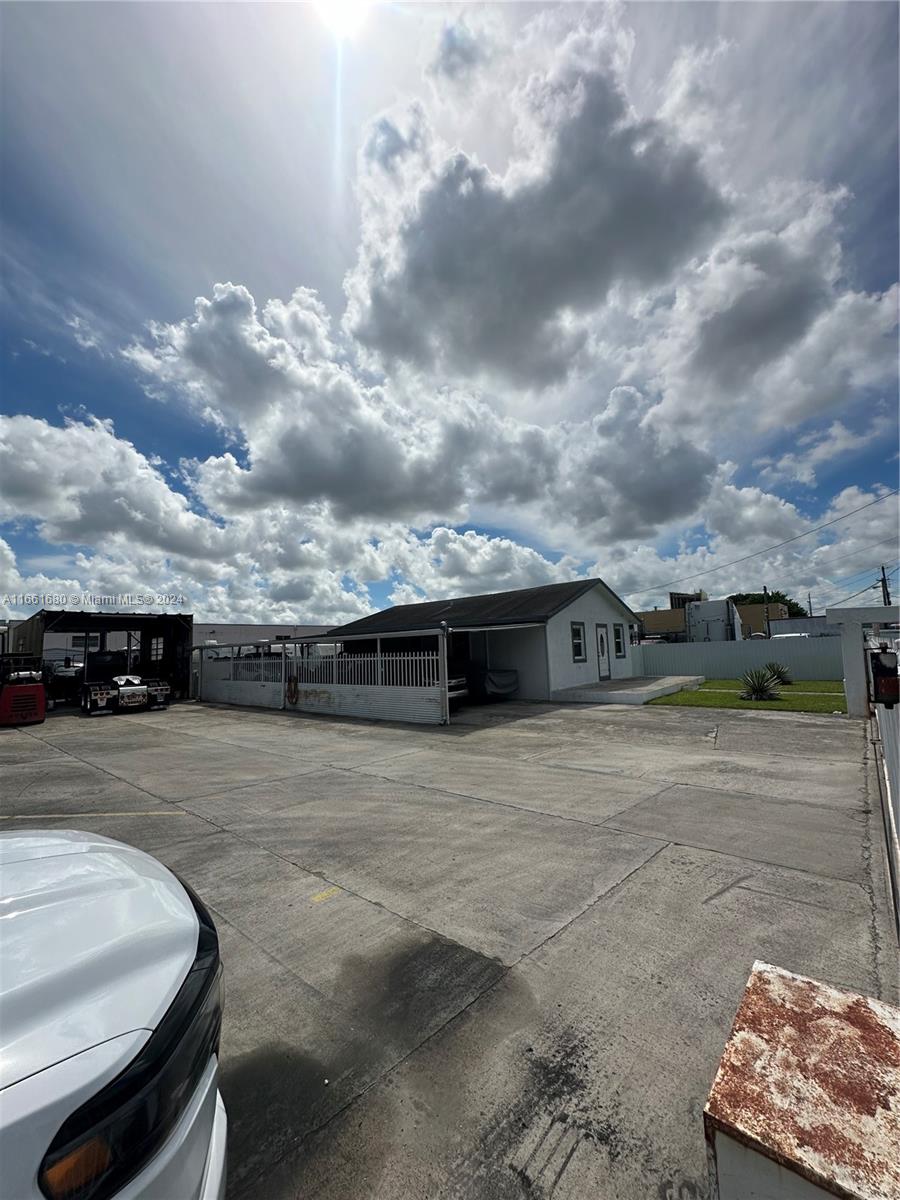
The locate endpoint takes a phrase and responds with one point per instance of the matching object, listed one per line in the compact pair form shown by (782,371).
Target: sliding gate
(328,678)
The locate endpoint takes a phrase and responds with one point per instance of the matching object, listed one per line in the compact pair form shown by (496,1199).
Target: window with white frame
(156,649)
(579,653)
(619,636)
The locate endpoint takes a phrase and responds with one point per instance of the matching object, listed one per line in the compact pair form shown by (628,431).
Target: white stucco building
(558,636)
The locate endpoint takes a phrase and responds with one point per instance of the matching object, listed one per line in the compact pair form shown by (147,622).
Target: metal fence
(370,670)
(805,658)
(258,670)
(403,686)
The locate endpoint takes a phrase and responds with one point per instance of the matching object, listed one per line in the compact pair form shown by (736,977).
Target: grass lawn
(811,702)
(800,685)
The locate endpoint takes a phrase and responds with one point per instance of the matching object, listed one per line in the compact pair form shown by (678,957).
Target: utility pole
(885,592)
(766,611)
(809,602)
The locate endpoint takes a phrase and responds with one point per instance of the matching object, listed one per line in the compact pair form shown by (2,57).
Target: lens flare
(344,18)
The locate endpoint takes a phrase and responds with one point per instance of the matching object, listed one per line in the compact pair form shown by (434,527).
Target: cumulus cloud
(822,447)
(577,341)
(491,273)
(460,50)
(85,485)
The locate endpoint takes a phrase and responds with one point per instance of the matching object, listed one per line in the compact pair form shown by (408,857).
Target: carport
(161,641)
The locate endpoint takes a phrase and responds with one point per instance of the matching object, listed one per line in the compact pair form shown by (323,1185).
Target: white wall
(253,695)
(805,658)
(743,1173)
(590,608)
(418,705)
(525,651)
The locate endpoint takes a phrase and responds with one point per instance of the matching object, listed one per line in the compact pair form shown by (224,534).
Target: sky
(310,309)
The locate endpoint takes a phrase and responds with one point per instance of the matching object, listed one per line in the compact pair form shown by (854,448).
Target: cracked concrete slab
(838,782)
(448,862)
(816,838)
(504,999)
(531,786)
(582,1072)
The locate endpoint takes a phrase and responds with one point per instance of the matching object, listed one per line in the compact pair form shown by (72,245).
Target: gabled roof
(523,606)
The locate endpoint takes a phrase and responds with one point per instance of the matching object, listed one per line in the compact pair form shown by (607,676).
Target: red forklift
(23,697)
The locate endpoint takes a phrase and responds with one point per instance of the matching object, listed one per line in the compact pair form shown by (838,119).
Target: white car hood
(95,940)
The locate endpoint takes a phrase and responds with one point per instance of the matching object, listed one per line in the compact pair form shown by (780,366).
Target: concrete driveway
(495,960)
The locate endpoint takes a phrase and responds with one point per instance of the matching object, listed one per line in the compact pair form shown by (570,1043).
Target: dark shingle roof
(497,608)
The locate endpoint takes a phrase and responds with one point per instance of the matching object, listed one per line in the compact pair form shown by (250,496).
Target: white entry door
(603,651)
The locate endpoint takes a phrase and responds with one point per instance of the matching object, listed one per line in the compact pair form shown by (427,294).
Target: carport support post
(283,675)
(442,674)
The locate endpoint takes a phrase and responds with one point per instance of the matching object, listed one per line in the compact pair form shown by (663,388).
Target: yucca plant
(779,673)
(759,685)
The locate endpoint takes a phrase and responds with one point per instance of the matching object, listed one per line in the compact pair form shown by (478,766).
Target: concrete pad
(197,768)
(109,732)
(637,690)
(453,865)
(253,799)
(819,839)
(292,1058)
(155,830)
(17,746)
(325,935)
(578,795)
(61,785)
(812,737)
(819,782)
(362,918)
(577,722)
(584,1070)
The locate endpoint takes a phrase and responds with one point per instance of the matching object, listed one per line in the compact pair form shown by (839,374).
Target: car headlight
(113,1135)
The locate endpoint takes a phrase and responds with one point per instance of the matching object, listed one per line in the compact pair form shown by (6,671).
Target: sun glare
(343,17)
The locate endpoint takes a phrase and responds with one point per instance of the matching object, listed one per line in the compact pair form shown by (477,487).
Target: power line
(871,587)
(721,567)
(830,582)
(853,553)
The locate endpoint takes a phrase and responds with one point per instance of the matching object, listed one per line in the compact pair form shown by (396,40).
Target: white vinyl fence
(888,723)
(805,658)
(385,686)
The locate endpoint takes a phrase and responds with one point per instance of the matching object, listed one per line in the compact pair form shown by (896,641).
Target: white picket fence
(888,721)
(397,687)
(369,670)
(257,670)
(805,658)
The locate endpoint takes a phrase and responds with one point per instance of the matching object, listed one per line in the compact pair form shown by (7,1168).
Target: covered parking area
(414,675)
(154,644)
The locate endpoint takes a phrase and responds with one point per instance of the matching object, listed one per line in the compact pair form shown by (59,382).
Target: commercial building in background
(757,618)
(694,620)
(58,640)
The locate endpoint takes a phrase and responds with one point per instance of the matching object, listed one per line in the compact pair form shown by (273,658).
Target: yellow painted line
(326,895)
(155,812)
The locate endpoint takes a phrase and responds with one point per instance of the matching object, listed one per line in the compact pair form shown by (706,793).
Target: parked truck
(109,686)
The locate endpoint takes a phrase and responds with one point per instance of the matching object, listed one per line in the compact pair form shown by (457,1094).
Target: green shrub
(759,684)
(779,673)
